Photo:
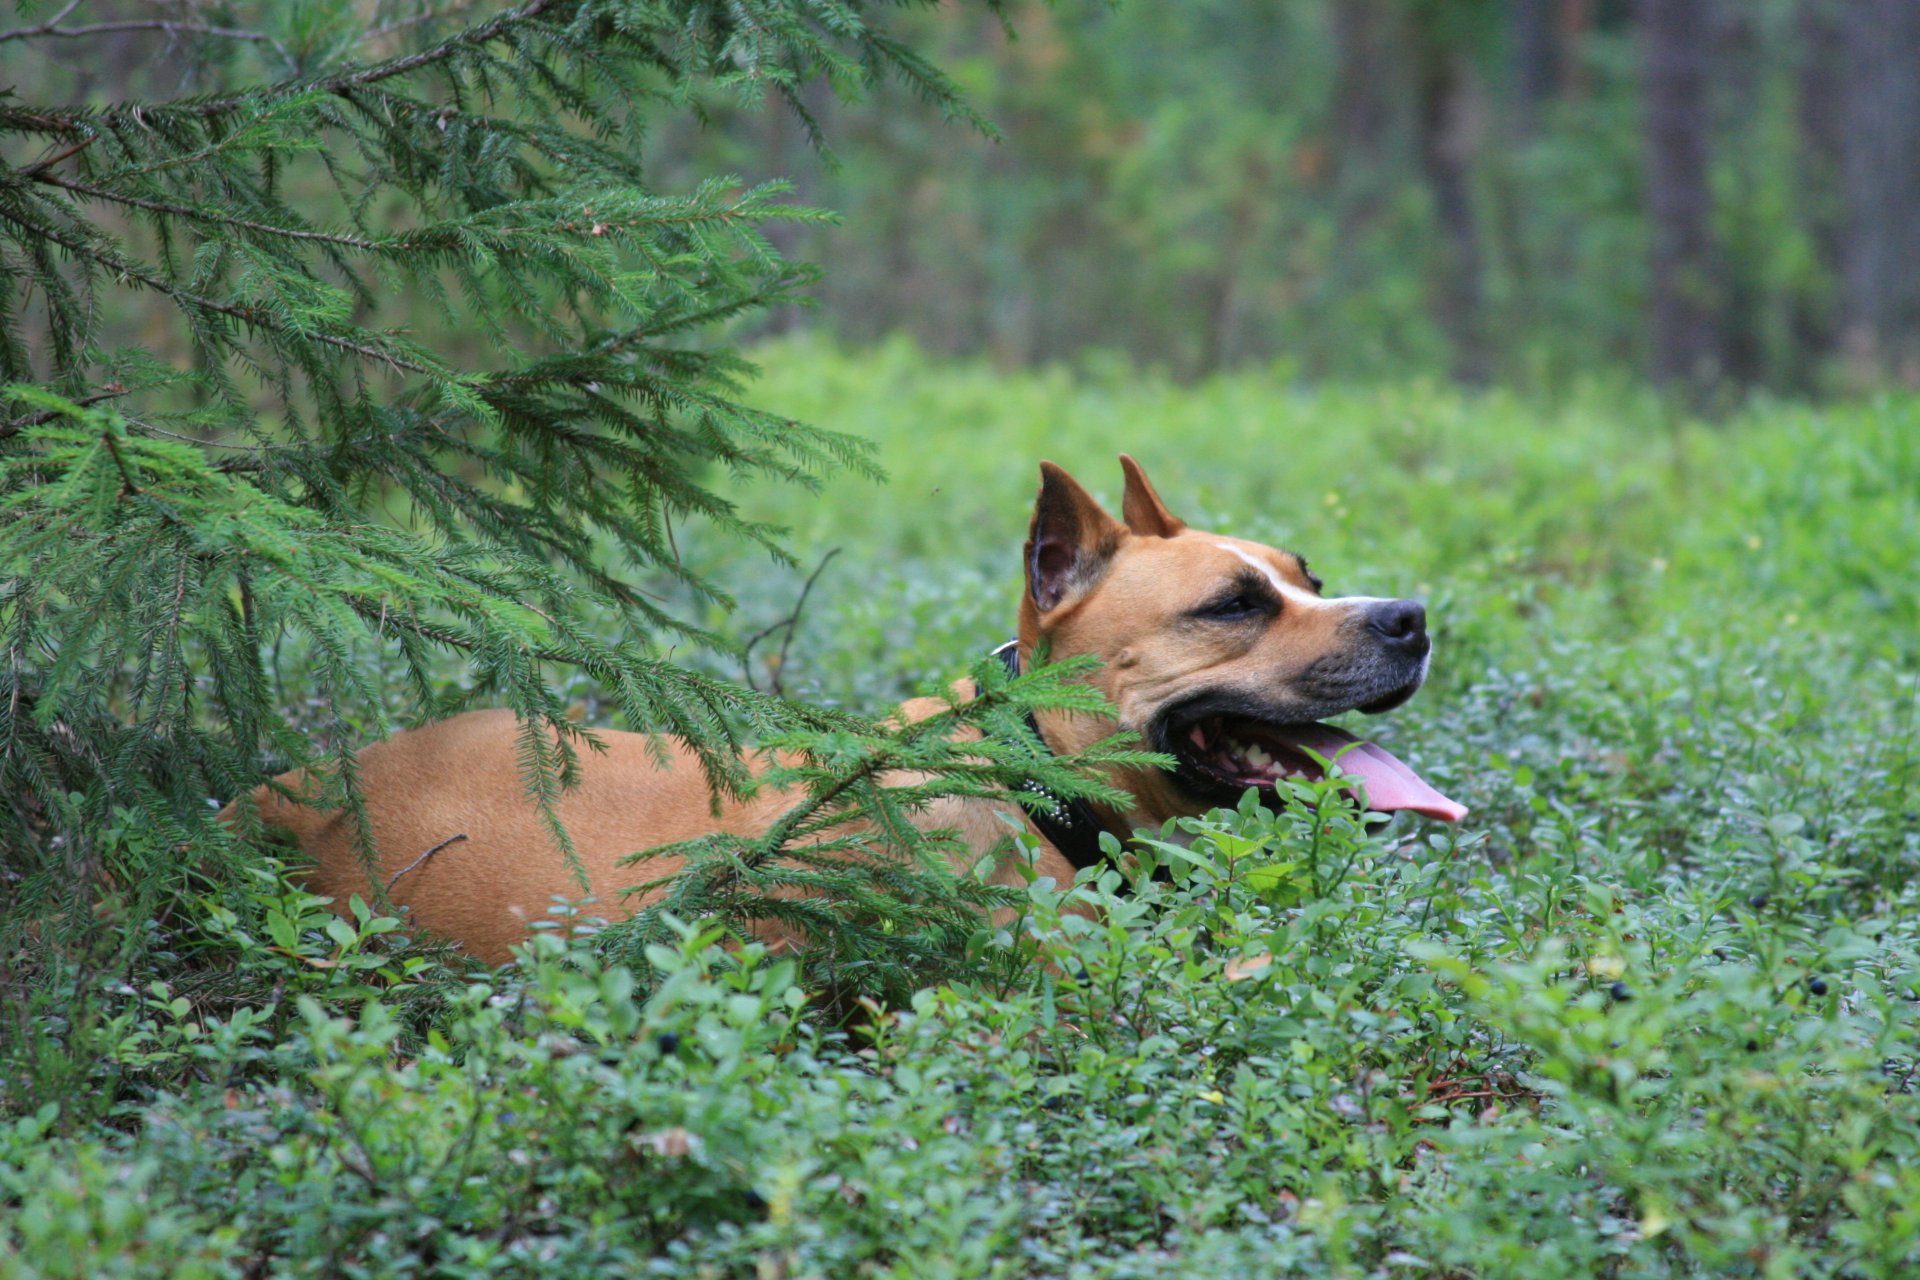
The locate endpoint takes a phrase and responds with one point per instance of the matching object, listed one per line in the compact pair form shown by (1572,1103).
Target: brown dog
(1219,652)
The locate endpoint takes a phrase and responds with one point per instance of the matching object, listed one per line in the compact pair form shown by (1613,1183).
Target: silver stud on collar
(1056,809)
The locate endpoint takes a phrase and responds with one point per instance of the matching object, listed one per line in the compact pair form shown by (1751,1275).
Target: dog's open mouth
(1223,755)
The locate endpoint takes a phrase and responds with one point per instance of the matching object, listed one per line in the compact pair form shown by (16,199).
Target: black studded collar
(1069,825)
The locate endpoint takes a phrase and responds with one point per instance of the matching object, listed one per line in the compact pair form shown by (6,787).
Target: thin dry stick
(38,170)
(791,622)
(22,33)
(134,24)
(453,839)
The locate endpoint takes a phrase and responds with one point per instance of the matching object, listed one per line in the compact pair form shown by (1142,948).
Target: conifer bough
(371,348)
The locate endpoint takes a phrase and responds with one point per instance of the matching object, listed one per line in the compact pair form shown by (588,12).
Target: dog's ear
(1071,539)
(1142,509)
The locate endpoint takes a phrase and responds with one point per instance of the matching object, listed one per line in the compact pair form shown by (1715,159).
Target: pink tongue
(1390,784)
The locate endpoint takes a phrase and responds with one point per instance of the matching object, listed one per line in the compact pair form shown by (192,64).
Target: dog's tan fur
(1125,591)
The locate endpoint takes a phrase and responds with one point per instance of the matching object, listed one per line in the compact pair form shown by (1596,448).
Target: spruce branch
(437,359)
(197,213)
(253,316)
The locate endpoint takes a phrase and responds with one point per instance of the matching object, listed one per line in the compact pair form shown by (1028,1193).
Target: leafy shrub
(1288,1041)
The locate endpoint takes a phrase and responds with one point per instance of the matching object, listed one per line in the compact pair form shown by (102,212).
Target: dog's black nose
(1401,624)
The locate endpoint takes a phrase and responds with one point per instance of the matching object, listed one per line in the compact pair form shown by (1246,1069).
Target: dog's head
(1219,652)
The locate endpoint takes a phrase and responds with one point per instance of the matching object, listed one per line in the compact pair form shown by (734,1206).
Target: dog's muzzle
(1227,741)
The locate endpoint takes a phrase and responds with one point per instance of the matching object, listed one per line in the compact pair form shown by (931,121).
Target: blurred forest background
(1716,193)
(1719,194)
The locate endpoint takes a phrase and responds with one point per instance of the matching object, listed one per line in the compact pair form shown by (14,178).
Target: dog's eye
(1241,604)
(1313,579)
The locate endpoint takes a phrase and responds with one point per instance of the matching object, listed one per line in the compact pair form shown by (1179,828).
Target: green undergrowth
(1649,1011)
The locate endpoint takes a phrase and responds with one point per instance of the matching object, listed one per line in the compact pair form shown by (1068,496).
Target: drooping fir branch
(133,632)
(434,387)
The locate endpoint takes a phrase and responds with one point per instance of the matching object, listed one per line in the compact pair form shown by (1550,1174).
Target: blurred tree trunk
(1363,108)
(1368,122)
(1221,347)
(1535,25)
(1450,120)
(1740,253)
(1880,174)
(1676,38)
(1822,80)
(1576,21)
(786,150)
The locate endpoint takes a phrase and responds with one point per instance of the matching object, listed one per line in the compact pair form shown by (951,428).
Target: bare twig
(129,24)
(39,168)
(251,446)
(792,624)
(453,839)
(22,33)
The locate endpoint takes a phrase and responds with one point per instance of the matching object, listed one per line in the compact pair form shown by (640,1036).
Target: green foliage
(1295,1052)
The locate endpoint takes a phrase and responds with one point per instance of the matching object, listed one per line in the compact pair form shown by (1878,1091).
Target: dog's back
(456,787)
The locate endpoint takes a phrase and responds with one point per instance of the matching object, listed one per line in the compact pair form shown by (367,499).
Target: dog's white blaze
(1294,595)
(1287,590)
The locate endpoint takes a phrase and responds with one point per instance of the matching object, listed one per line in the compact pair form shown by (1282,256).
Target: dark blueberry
(668,1042)
(1753,1046)
(1620,991)
(1080,974)
(1757,901)
(755,1202)
(1817,985)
